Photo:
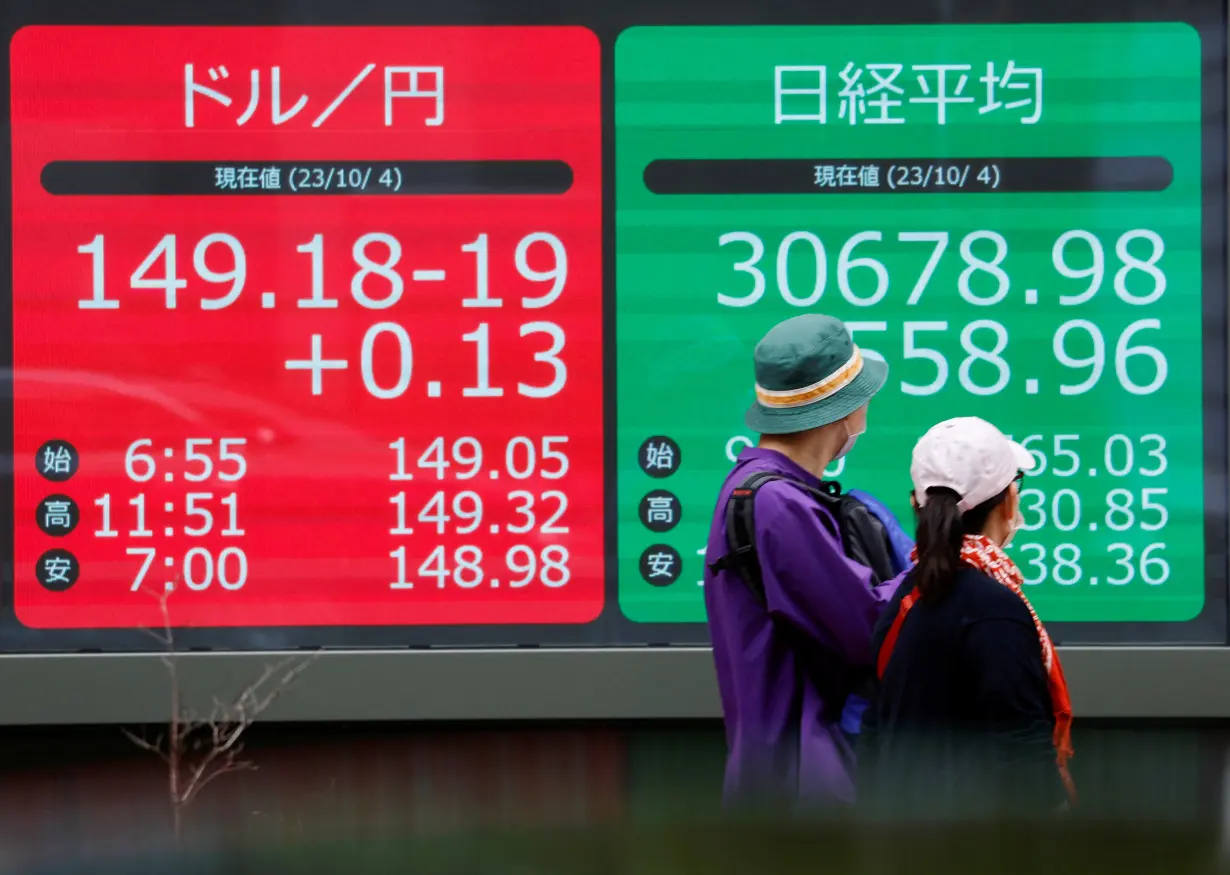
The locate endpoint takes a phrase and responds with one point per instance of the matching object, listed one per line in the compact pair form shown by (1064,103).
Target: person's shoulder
(787,495)
(788,510)
(983,597)
(900,586)
(747,467)
(738,475)
(774,494)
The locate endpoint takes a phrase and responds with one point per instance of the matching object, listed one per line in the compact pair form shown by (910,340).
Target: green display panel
(1009,214)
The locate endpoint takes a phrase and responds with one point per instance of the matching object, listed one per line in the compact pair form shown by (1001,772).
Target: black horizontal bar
(243,178)
(906,175)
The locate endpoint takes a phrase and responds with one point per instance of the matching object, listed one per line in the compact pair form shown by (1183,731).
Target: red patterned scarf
(983,554)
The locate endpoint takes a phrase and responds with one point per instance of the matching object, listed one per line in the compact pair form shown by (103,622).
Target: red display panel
(307,325)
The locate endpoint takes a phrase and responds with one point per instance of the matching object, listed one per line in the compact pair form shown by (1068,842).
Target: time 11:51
(192,509)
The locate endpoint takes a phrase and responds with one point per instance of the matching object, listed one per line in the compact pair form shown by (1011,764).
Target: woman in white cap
(972,714)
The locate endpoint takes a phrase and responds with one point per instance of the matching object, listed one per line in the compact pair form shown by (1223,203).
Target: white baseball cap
(969,456)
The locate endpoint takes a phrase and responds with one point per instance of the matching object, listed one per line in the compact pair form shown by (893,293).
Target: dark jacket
(962,721)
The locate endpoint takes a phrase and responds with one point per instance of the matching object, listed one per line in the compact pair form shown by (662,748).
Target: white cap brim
(1024,459)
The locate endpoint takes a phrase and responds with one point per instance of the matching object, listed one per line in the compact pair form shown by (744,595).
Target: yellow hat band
(825,388)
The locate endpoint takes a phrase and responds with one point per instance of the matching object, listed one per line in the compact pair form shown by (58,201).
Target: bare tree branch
(155,746)
(198,749)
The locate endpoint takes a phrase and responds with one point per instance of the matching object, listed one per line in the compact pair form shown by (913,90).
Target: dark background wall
(88,793)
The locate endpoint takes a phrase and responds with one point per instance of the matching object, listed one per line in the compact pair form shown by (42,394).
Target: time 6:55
(198,462)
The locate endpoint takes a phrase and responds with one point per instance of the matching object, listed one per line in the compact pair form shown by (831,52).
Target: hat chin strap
(818,391)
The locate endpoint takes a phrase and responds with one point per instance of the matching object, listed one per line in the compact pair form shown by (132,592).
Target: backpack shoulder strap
(741,529)
(885,653)
(741,554)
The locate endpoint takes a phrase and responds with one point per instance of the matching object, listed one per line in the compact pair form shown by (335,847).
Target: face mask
(1018,520)
(851,440)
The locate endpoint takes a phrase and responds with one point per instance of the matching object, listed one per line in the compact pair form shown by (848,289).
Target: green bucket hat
(809,373)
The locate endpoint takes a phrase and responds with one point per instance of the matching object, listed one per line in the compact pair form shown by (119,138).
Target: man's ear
(1008,507)
(913,501)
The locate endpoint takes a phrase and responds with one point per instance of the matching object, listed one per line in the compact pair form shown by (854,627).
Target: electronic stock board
(432,327)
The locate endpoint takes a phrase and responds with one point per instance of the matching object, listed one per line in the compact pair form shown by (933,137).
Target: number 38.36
(1062,564)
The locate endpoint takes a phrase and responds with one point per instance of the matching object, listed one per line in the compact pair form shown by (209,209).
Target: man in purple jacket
(812,390)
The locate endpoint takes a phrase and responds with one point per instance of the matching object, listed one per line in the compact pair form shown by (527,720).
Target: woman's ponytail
(939,538)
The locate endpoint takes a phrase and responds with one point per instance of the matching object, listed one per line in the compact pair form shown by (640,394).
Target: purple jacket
(772,709)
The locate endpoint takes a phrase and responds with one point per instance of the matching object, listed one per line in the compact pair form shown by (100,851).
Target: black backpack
(864,539)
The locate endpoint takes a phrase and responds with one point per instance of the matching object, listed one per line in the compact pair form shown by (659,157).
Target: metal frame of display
(531,684)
